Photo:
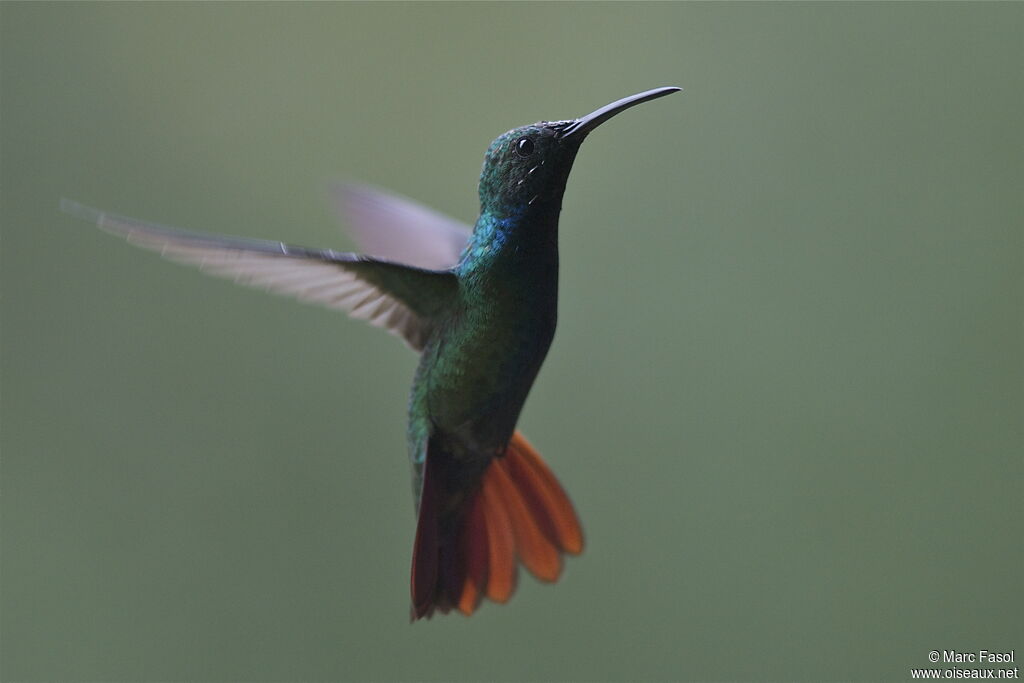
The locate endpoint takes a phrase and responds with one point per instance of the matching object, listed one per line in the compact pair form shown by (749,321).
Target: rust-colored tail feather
(537,481)
(475,549)
(519,511)
(535,550)
(501,545)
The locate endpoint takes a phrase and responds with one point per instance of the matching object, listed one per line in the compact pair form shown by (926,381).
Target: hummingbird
(480,308)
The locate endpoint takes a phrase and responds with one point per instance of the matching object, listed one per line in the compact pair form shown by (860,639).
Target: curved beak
(579,128)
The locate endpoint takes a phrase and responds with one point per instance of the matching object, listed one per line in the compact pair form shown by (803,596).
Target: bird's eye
(523,147)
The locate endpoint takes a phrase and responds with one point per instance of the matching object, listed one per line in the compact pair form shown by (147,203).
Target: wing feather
(405,300)
(396,228)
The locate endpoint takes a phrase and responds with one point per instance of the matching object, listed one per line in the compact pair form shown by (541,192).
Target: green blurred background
(786,392)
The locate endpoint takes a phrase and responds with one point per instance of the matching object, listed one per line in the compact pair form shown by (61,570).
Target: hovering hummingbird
(480,309)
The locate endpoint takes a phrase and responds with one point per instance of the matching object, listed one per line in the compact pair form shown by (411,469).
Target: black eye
(523,147)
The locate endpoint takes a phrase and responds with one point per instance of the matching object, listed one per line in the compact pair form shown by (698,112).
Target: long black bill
(581,126)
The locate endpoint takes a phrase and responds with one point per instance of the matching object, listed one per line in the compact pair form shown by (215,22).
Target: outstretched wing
(405,300)
(398,229)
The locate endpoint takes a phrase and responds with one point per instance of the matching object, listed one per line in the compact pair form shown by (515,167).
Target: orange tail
(518,512)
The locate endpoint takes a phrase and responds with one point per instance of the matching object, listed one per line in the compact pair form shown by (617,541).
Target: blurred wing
(404,300)
(398,229)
